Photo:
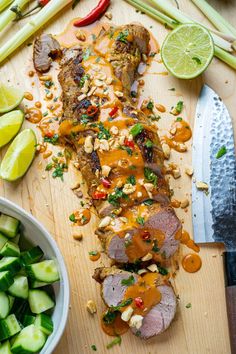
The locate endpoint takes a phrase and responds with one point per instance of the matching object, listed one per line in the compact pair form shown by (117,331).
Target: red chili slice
(92,111)
(99,195)
(49,134)
(106,183)
(138,302)
(146,235)
(113,111)
(129,143)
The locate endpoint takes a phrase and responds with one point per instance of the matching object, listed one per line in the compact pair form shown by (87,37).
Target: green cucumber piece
(3,240)
(45,271)
(10,263)
(9,327)
(4,305)
(29,340)
(5,348)
(10,249)
(11,301)
(40,301)
(44,323)
(34,284)
(6,280)
(9,226)
(32,256)
(20,287)
(16,239)
(20,308)
(28,320)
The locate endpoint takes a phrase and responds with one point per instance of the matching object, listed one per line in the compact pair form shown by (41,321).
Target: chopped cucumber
(10,263)
(34,284)
(29,340)
(11,301)
(3,240)
(40,301)
(4,305)
(8,225)
(44,323)
(10,249)
(20,308)
(45,271)
(9,327)
(28,320)
(20,287)
(32,256)
(16,239)
(5,348)
(6,280)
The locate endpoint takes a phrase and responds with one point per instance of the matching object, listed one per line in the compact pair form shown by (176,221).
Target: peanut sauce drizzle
(182,133)
(191,263)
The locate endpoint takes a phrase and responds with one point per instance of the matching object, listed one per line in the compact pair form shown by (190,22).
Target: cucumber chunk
(5,348)
(8,225)
(20,287)
(10,263)
(32,256)
(6,280)
(9,327)
(20,308)
(11,301)
(34,284)
(4,305)
(10,249)
(40,301)
(29,340)
(45,271)
(3,240)
(16,239)
(28,320)
(44,323)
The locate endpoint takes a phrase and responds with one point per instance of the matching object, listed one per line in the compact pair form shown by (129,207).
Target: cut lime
(19,156)
(10,124)
(187,51)
(10,97)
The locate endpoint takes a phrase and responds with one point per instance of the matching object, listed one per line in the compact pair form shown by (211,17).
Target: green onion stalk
(42,17)
(9,15)
(173,23)
(4,4)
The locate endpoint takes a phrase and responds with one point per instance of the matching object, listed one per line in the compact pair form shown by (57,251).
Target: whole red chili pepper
(94,15)
(99,195)
(113,111)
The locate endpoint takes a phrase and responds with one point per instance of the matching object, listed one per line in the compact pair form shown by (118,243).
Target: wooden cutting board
(200,329)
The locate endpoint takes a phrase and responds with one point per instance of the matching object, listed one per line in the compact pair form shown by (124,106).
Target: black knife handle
(230,282)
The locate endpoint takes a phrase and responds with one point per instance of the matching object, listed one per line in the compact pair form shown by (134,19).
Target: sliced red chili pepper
(138,302)
(113,111)
(92,111)
(106,183)
(146,235)
(43,2)
(49,134)
(99,195)
(94,15)
(129,143)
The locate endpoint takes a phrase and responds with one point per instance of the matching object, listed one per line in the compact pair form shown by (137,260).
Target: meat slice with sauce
(46,48)
(151,298)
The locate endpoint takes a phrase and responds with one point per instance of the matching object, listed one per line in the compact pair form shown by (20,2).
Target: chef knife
(214,212)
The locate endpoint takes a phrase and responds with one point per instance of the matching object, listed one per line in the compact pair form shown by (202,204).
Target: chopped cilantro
(133,94)
(45,114)
(48,83)
(52,140)
(72,218)
(87,54)
(59,170)
(155,247)
(74,3)
(179,119)
(163,271)
(132,167)
(140,220)
(188,306)
(222,151)
(116,341)
(122,36)
(49,166)
(122,304)
(152,54)
(172,89)
(109,317)
(137,129)
(93,253)
(128,149)
(129,281)
(150,105)
(94,348)
(83,79)
(132,180)
(104,133)
(84,119)
(114,197)
(178,108)
(150,176)
(148,202)
(149,144)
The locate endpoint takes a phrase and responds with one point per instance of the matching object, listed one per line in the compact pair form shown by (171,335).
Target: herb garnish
(155,247)
(87,54)
(93,253)
(150,176)
(83,79)
(109,317)
(48,83)
(93,347)
(149,143)
(49,166)
(222,151)
(59,170)
(114,197)
(122,36)
(132,180)
(75,2)
(148,202)
(179,119)
(128,149)
(188,306)
(72,218)
(84,119)
(150,105)
(53,140)
(122,304)
(129,281)
(137,129)
(163,271)
(140,220)
(104,133)
(116,341)
(179,106)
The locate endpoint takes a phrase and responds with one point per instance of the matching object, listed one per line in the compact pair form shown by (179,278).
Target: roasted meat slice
(46,48)
(156,312)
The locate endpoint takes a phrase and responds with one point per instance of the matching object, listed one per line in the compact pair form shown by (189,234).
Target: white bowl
(38,235)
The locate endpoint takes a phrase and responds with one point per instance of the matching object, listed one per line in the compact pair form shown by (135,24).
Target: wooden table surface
(200,329)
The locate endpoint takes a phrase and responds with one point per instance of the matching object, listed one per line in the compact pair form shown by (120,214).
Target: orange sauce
(34,115)
(28,96)
(38,104)
(187,241)
(82,217)
(175,203)
(94,256)
(182,134)
(192,263)
(31,73)
(144,294)
(117,327)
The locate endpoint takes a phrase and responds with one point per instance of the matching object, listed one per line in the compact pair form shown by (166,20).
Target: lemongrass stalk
(225,57)
(7,16)
(157,15)
(216,19)
(179,16)
(4,4)
(42,17)
(228,37)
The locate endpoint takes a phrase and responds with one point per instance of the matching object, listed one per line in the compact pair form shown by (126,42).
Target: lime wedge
(10,124)
(187,51)
(10,97)
(19,156)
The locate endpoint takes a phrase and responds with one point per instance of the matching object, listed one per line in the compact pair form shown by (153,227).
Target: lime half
(187,51)
(10,124)
(10,97)
(19,156)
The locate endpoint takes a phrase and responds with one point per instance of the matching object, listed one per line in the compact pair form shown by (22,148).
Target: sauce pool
(191,263)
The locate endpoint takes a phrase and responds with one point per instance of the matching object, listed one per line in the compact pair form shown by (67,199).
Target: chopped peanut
(91,307)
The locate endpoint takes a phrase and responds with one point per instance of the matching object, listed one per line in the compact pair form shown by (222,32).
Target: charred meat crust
(46,48)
